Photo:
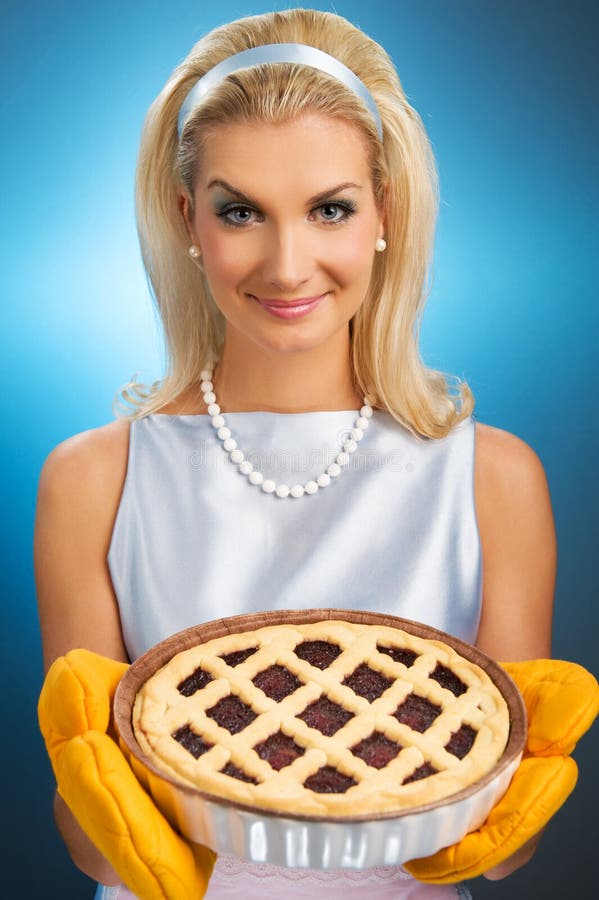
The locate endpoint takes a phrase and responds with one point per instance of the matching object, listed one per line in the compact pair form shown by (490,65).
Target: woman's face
(286,220)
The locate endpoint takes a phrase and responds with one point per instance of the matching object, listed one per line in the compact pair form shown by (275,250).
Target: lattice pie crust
(328,718)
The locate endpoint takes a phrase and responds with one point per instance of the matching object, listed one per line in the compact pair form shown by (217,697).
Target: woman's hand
(99,787)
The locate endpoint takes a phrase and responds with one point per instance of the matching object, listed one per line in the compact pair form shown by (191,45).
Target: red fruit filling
(277,682)
(460,742)
(365,682)
(417,713)
(326,716)
(399,654)
(195,682)
(238,656)
(234,772)
(191,741)
(448,679)
(376,750)
(279,750)
(232,713)
(422,771)
(329,781)
(318,653)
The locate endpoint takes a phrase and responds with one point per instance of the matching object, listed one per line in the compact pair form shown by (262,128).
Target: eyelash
(348,208)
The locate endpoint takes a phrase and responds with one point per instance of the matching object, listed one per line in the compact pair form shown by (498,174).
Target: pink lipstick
(289,309)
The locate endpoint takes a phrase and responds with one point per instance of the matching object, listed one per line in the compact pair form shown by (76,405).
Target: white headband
(277,53)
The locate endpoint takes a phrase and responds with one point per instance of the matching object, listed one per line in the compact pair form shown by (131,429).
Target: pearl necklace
(238,457)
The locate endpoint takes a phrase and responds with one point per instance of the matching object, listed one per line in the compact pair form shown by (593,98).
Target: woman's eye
(328,213)
(237,215)
(335,212)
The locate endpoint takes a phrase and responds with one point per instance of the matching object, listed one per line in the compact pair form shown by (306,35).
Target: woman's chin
(289,338)
(296,343)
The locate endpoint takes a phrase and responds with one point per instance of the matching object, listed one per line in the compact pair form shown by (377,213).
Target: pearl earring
(380,245)
(194,252)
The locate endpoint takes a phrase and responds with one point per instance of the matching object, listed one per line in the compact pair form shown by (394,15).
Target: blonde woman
(297,451)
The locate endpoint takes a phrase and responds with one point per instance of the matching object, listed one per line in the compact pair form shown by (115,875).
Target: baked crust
(177,712)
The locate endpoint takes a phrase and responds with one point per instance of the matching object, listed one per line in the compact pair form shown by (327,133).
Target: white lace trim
(235,867)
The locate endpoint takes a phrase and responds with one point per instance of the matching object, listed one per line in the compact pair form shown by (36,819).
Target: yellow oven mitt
(98,785)
(562,700)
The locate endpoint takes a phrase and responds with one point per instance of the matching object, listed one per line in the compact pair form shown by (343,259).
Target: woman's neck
(248,379)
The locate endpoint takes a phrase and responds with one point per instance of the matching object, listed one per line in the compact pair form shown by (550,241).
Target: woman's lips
(289,309)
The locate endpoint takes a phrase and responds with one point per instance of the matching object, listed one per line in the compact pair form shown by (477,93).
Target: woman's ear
(382,225)
(186,210)
(381,198)
(383,210)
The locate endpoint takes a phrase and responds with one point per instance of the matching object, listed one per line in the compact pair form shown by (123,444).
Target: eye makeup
(346,207)
(228,210)
(239,215)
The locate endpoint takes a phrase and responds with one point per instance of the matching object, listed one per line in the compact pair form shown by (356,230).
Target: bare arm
(79,491)
(519,562)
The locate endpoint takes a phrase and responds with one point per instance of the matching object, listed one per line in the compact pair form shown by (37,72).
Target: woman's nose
(288,258)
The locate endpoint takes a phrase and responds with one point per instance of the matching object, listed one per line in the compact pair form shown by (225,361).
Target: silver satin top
(395,532)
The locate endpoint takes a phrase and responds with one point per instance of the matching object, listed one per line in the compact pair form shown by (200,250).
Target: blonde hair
(385,358)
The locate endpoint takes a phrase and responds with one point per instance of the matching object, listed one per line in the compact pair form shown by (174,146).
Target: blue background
(505,91)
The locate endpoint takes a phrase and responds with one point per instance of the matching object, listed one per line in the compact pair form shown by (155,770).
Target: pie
(325,718)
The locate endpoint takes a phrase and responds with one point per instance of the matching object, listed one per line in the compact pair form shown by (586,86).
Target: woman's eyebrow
(317,198)
(326,195)
(218,182)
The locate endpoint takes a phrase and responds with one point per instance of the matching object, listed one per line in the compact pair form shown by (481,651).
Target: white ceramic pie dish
(297,841)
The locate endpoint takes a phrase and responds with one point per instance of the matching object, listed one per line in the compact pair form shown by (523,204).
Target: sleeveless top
(395,532)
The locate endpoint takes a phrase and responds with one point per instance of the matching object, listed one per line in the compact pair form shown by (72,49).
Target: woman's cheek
(224,261)
(354,259)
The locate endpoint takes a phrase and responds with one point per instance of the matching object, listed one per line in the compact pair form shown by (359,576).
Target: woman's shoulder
(504,462)
(93,462)
(93,447)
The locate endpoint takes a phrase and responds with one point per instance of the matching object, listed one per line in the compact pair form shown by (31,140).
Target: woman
(286,209)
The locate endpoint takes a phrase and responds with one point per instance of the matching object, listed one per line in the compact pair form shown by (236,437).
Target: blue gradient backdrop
(505,91)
